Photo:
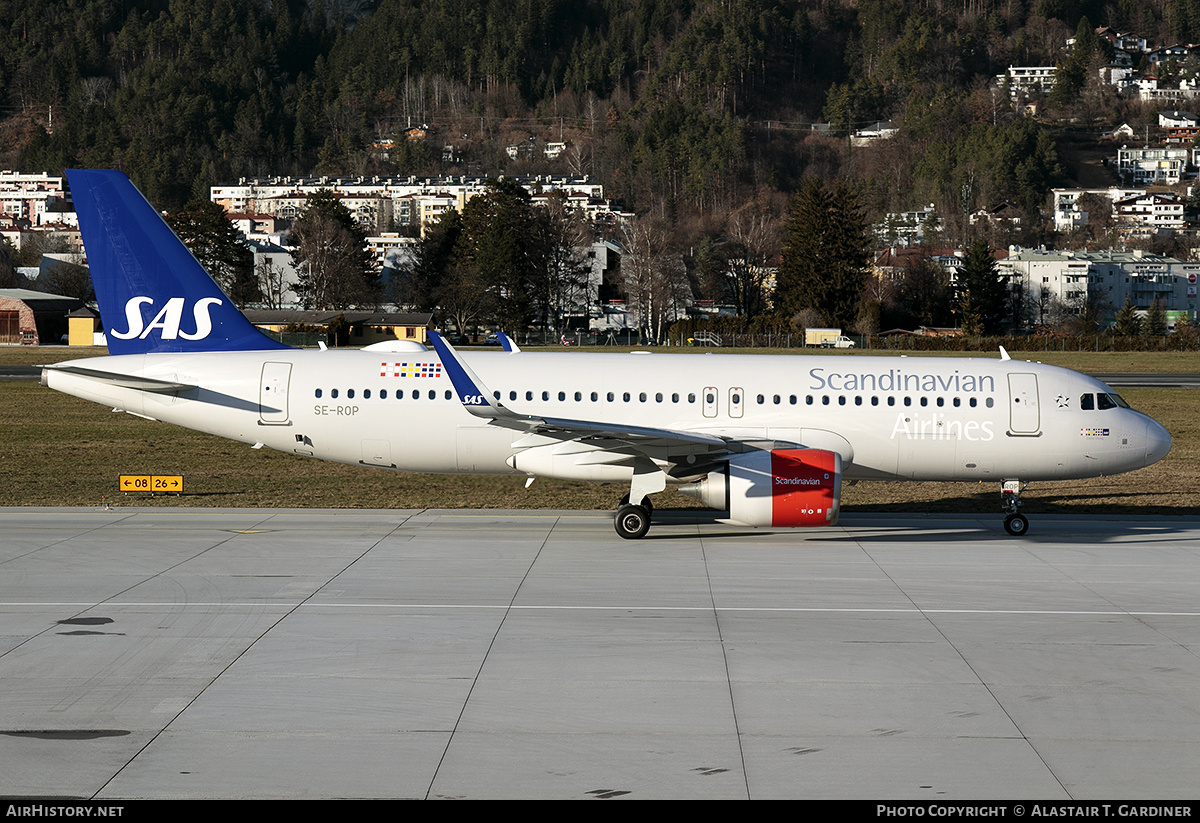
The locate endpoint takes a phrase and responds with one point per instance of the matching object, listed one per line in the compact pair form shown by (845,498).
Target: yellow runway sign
(151,483)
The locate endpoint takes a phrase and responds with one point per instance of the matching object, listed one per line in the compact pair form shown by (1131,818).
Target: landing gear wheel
(1016,524)
(632,522)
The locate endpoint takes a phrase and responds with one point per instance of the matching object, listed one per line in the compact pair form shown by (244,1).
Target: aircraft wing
(476,399)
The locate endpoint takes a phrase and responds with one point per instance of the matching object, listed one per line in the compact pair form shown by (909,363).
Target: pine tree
(216,243)
(825,254)
(498,251)
(1127,323)
(982,293)
(1156,321)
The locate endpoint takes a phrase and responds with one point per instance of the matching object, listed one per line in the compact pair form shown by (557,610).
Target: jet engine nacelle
(781,487)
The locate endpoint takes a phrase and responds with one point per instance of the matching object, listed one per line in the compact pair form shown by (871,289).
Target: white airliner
(767,440)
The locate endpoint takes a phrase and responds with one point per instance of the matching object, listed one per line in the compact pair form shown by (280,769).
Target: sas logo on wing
(411,369)
(1086,432)
(167,320)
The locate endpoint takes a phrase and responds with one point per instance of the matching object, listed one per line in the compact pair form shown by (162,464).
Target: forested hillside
(693,110)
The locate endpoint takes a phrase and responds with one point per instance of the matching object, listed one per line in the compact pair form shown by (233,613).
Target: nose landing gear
(1015,523)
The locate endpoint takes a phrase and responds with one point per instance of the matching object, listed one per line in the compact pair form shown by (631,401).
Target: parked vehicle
(827,339)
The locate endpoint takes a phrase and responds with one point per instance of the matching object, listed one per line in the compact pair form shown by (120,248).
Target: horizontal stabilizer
(126,381)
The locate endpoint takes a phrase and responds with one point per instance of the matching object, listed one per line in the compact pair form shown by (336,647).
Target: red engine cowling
(782,488)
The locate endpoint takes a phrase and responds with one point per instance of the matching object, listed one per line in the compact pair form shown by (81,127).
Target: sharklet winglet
(507,343)
(471,391)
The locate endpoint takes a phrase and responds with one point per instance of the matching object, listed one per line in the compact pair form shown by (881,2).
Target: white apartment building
(1150,212)
(31,196)
(1068,215)
(1106,277)
(908,227)
(1025,79)
(379,204)
(1163,165)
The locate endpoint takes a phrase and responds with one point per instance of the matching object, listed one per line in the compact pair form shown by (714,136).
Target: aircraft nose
(1158,442)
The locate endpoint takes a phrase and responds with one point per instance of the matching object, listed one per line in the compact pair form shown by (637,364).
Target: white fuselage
(919,418)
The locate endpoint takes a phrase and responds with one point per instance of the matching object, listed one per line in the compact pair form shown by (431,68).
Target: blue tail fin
(154,295)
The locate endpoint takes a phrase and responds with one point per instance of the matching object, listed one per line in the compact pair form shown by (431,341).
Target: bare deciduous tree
(329,271)
(654,276)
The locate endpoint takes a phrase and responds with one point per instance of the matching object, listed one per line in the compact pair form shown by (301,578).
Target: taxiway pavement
(238,653)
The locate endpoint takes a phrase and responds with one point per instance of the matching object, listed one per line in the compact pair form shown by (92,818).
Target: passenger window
(578,396)
(625,397)
(776,400)
(366,394)
(399,394)
(609,396)
(989,402)
(318,392)
(350,393)
(562,395)
(972,402)
(595,397)
(760,399)
(545,395)
(809,399)
(658,397)
(642,397)
(858,400)
(874,401)
(448,394)
(675,397)
(691,397)
(333,394)
(924,401)
(512,395)
(891,401)
(383,394)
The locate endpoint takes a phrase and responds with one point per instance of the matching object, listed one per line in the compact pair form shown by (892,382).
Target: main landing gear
(632,520)
(1015,523)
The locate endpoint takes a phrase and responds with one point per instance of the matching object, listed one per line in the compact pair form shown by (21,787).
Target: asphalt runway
(238,653)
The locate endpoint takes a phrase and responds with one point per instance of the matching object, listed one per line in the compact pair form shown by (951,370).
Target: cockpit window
(1087,402)
(1105,401)
(1120,401)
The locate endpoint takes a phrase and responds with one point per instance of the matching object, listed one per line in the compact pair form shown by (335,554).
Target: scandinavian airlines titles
(936,427)
(898,380)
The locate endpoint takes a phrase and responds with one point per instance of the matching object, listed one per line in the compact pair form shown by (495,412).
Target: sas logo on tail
(167,320)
